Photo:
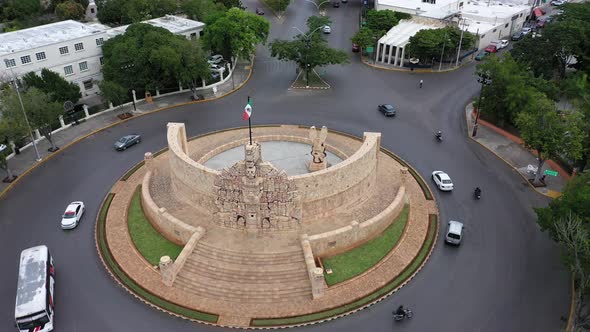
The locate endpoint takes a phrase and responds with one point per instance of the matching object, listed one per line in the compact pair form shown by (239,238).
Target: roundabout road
(505,277)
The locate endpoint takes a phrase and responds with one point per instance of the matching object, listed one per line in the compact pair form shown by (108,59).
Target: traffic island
(313,82)
(242,265)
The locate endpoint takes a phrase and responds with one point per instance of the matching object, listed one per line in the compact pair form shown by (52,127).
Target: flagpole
(250,124)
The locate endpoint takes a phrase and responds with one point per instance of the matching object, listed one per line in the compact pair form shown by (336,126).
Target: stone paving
(234,313)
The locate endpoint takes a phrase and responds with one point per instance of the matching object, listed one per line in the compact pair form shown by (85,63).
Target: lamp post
(22,106)
(442,53)
(484,79)
(460,42)
(308,47)
(318,5)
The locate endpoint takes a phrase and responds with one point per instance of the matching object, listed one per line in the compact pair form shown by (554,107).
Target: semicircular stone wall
(320,191)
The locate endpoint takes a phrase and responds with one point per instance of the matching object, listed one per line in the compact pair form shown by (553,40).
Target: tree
(231,3)
(10,131)
(381,21)
(201,10)
(148,57)
(236,33)
(428,44)
(70,10)
(20,9)
(308,51)
(364,38)
(113,92)
(278,5)
(551,134)
(51,83)
(576,89)
(120,12)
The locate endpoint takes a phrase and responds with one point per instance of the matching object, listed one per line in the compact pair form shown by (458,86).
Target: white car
(442,180)
(327,29)
(72,215)
(215,59)
(217,68)
(526,31)
(500,44)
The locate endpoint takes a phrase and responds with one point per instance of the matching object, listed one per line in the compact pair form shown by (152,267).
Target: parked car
(541,23)
(336,4)
(517,35)
(217,68)
(482,55)
(215,75)
(491,48)
(215,59)
(442,180)
(558,2)
(454,232)
(500,44)
(355,47)
(344,1)
(259,11)
(126,141)
(386,109)
(327,29)
(526,30)
(71,217)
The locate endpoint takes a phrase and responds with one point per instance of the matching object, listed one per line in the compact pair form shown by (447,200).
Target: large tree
(51,83)
(364,38)
(381,21)
(549,133)
(70,10)
(201,10)
(236,33)
(148,57)
(439,44)
(12,129)
(120,12)
(19,9)
(308,51)
(113,92)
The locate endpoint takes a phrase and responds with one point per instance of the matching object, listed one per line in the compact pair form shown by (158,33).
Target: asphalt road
(506,276)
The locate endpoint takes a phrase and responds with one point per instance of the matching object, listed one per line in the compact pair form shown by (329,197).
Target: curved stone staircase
(244,277)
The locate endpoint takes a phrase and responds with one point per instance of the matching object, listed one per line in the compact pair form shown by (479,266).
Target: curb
(310,87)
(548,194)
(63,148)
(420,71)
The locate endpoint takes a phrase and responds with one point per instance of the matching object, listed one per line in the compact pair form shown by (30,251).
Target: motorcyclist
(439,134)
(401,311)
(477,191)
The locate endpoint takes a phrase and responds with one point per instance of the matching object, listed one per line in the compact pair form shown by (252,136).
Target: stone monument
(318,149)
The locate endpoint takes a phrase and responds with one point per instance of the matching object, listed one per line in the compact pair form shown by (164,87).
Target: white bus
(34,294)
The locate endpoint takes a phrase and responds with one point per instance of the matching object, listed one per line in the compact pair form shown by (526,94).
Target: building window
(83,66)
(25,59)
(63,50)
(482,36)
(506,25)
(520,15)
(40,56)
(201,33)
(193,36)
(68,70)
(79,47)
(88,85)
(92,10)
(10,63)
(101,61)
(495,30)
(99,41)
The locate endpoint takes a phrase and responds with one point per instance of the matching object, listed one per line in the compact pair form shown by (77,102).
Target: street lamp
(22,106)
(484,79)
(318,5)
(442,53)
(308,47)
(460,41)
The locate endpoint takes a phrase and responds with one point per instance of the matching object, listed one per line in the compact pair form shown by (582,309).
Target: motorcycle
(477,193)
(407,314)
(438,137)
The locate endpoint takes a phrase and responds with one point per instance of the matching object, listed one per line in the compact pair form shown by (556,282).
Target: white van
(454,232)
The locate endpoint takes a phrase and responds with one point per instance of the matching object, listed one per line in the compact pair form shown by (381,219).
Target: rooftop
(491,12)
(174,24)
(400,34)
(57,32)
(441,9)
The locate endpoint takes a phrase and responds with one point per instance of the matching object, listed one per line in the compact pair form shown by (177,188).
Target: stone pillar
(215,90)
(157,93)
(37,134)
(355,230)
(318,283)
(134,97)
(111,106)
(404,175)
(203,83)
(86,113)
(179,86)
(148,158)
(167,270)
(61,121)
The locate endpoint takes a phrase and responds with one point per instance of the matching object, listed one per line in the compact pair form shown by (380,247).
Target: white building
(73,49)
(489,21)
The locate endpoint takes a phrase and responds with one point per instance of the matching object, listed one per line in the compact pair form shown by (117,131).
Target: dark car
(336,4)
(344,1)
(386,109)
(355,47)
(482,55)
(517,35)
(259,11)
(126,141)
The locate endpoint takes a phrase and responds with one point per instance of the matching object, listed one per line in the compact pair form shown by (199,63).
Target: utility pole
(460,42)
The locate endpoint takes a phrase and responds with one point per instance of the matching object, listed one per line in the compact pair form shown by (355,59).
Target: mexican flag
(247,111)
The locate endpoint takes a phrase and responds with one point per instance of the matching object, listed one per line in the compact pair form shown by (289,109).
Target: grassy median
(358,260)
(149,242)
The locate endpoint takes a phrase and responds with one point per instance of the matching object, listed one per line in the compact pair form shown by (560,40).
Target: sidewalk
(508,148)
(25,161)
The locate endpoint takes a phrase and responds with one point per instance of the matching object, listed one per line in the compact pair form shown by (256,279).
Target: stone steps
(236,292)
(245,258)
(252,275)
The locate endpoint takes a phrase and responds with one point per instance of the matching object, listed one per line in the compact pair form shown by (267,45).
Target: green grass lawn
(422,254)
(151,244)
(358,260)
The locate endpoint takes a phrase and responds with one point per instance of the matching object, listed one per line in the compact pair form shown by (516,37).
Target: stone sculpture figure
(318,149)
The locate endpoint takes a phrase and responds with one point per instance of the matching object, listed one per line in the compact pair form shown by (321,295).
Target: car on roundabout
(442,180)
(127,141)
(71,217)
(259,11)
(327,29)
(387,109)
(454,232)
